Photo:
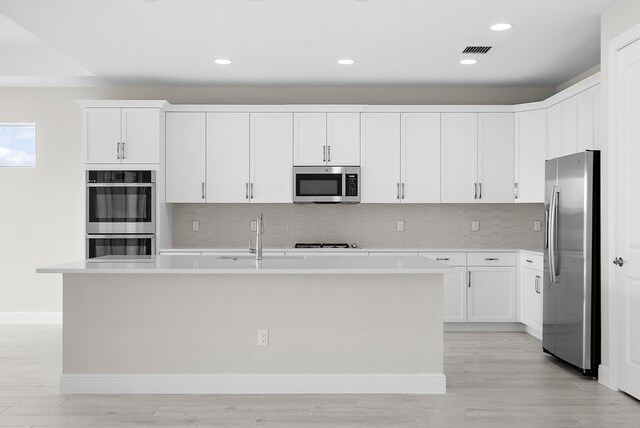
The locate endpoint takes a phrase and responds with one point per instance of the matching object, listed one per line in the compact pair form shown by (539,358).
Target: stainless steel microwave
(326,184)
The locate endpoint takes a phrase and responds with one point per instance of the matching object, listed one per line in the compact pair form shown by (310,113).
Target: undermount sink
(253,257)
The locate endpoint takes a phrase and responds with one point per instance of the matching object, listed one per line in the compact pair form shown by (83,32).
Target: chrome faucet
(259,232)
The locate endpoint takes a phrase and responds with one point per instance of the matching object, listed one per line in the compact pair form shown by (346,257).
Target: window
(17,144)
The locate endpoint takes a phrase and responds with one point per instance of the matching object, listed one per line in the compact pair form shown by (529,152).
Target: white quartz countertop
(271,264)
(352,250)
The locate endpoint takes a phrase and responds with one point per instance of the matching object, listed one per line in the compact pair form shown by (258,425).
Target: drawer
(491,259)
(451,259)
(531,261)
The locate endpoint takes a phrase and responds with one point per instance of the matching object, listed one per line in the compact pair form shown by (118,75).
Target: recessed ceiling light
(468,61)
(345,61)
(223,61)
(501,26)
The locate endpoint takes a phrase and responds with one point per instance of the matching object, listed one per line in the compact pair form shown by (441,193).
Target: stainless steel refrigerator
(571,292)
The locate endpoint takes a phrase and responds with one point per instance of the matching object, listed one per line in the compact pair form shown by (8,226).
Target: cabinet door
(380,157)
(496,159)
(491,294)
(309,139)
(531,149)
(597,138)
(102,135)
(185,160)
(271,157)
(569,144)
(420,155)
(554,131)
(343,139)
(140,135)
(585,121)
(455,296)
(228,157)
(531,289)
(459,157)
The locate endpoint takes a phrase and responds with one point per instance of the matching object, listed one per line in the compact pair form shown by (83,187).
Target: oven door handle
(121,236)
(120,184)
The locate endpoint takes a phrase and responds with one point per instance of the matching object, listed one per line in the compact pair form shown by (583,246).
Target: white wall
(41,209)
(615,21)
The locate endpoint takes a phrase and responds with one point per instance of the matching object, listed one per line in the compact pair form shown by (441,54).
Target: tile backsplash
(367,225)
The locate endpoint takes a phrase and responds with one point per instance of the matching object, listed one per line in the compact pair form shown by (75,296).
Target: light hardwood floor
(494,380)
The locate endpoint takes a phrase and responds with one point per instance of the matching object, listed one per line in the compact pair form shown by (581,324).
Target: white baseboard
(484,326)
(30,317)
(253,383)
(604,377)
(533,332)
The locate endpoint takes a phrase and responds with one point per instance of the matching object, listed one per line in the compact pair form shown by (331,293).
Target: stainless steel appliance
(121,202)
(571,285)
(129,247)
(326,184)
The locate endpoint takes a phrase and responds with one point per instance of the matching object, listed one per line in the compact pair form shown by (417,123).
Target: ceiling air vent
(477,49)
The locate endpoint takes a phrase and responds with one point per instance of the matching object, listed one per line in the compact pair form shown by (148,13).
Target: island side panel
(208,323)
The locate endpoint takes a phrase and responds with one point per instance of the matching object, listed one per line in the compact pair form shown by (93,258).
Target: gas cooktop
(322,245)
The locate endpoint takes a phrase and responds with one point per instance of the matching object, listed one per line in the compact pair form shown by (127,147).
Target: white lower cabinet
(454,285)
(531,292)
(491,294)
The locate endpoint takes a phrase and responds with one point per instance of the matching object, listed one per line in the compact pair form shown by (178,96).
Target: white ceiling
(296,41)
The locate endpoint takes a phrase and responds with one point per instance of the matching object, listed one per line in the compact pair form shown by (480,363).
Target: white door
(554,131)
(569,120)
(227,157)
(380,157)
(531,289)
(459,157)
(496,178)
(585,120)
(420,158)
(271,154)
(531,150)
(343,139)
(309,139)
(102,135)
(627,212)
(140,135)
(491,294)
(185,160)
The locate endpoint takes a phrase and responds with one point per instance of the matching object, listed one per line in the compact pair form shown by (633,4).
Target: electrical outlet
(263,337)
(253,225)
(195,226)
(400,226)
(536,226)
(475,225)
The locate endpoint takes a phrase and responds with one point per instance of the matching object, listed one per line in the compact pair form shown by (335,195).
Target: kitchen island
(285,324)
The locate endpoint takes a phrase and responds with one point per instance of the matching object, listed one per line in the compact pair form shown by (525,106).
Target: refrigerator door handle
(553,234)
(546,229)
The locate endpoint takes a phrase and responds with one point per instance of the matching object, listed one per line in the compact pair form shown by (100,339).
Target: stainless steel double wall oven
(120,214)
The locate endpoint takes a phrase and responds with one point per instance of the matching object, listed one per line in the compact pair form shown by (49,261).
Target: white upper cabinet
(459,157)
(531,139)
(380,156)
(310,139)
(185,160)
(271,152)
(228,157)
(326,139)
(122,135)
(420,158)
(496,157)
(574,124)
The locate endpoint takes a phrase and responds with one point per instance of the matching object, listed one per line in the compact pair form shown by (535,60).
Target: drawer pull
(442,258)
(492,259)
(529,261)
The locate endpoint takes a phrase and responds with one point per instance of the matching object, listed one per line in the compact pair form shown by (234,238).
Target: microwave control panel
(352,185)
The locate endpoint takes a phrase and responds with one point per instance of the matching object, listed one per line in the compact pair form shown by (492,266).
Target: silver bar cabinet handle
(442,258)
(117,150)
(246,190)
(324,153)
(402,190)
(251,190)
(469,279)
(397,190)
(328,153)
(123,150)
(492,259)
(203,190)
(515,191)
(475,190)
(480,192)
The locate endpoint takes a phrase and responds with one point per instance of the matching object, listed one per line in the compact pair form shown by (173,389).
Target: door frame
(608,376)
